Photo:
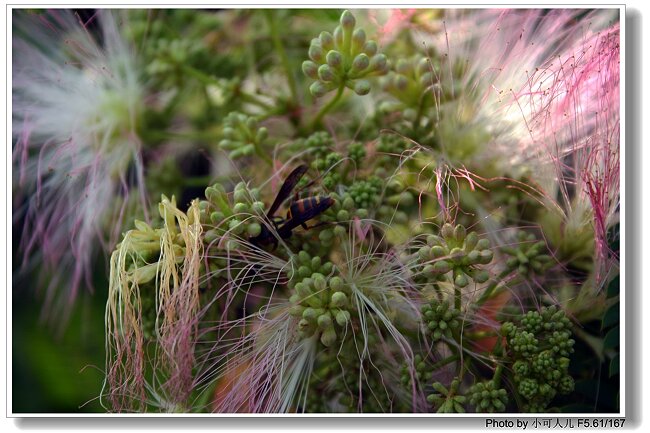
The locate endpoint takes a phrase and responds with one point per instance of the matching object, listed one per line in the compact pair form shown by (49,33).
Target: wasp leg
(306,227)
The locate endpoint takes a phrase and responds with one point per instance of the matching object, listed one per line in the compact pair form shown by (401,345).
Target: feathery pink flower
(76,102)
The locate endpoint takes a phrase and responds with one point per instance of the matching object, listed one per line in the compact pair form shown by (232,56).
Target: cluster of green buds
(318,144)
(169,56)
(328,164)
(390,148)
(423,372)
(238,215)
(440,319)
(540,345)
(242,136)
(447,400)
(410,81)
(457,251)
(356,152)
(343,59)
(320,300)
(366,194)
(528,257)
(486,397)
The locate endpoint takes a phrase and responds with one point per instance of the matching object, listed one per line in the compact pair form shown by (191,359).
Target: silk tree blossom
(76,104)
(545,85)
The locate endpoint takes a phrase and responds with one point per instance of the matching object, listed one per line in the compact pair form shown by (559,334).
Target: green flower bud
(326,235)
(339,300)
(326,73)
(336,283)
(296,310)
(360,63)
(347,20)
(334,59)
(240,208)
(438,251)
(216,217)
(340,231)
(240,195)
(262,134)
(441,267)
(461,280)
(316,52)
(483,244)
(258,207)
(370,48)
(401,83)
(379,64)
(328,337)
(318,89)
(310,69)
(326,40)
(325,321)
(447,231)
(481,276)
(362,87)
(358,41)
(342,317)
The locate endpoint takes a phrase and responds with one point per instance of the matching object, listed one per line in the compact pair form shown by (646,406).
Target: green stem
(279,48)
(262,154)
(329,106)
(493,285)
(444,362)
(497,375)
(209,80)
(457,297)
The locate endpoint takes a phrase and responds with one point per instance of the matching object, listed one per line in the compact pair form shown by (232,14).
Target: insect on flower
(300,210)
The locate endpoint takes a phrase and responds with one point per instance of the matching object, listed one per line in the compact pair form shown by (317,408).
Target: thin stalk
(444,362)
(497,375)
(284,59)
(493,285)
(457,297)
(329,106)
(208,80)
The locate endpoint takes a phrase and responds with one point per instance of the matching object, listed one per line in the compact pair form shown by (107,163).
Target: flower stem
(493,285)
(209,80)
(279,48)
(329,106)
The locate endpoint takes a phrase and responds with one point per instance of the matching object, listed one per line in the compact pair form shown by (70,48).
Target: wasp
(300,211)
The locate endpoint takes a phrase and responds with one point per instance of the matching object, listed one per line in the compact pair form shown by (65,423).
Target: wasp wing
(286,188)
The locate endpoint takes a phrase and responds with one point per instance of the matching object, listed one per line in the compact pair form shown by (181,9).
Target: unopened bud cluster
(540,344)
(344,58)
(456,251)
(440,319)
(447,400)
(320,301)
(422,373)
(242,135)
(486,397)
(528,257)
(410,81)
(238,215)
